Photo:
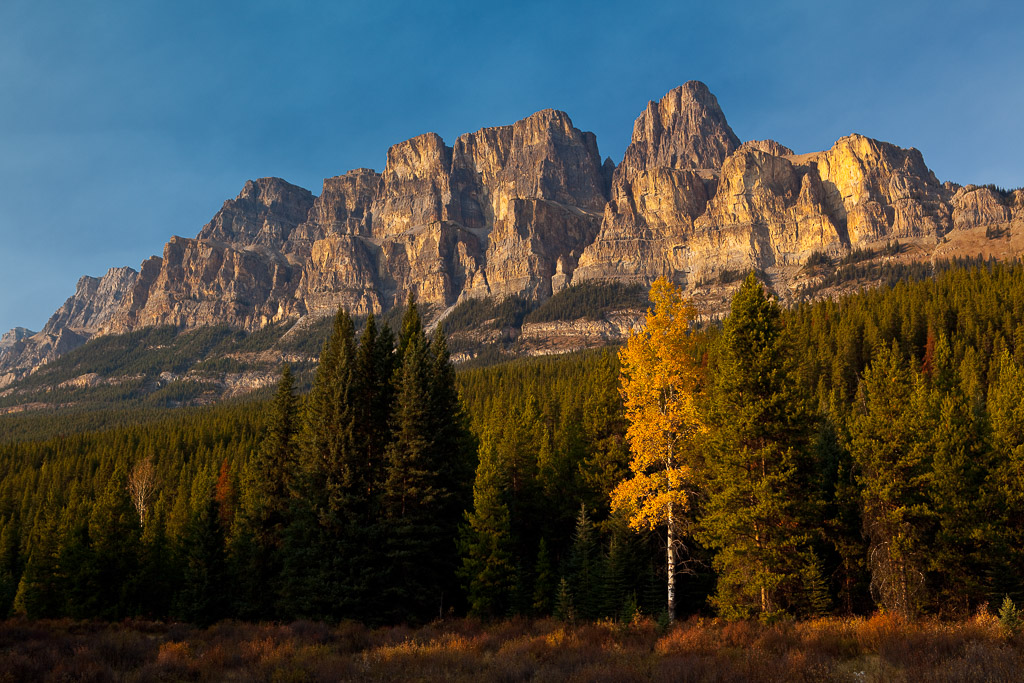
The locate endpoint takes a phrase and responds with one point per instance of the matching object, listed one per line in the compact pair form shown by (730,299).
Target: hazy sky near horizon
(123,123)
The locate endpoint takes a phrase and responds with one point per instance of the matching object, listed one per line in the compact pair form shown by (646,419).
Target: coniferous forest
(836,458)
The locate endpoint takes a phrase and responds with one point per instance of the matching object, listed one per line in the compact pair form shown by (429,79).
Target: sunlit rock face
(689,202)
(530,208)
(666,178)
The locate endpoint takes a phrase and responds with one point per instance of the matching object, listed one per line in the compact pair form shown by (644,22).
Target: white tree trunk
(670,558)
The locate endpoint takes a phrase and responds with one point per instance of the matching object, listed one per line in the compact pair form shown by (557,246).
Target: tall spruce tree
(363,558)
(585,575)
(205,583)
(756,517)
(115,532)
(314,567)
(40,591)
(10,564)
(267,484)
(488,553)
(424,487)
(960,463)
(455,453)
(1004,504)
(889,441)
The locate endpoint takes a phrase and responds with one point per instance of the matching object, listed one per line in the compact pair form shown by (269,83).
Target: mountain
(527,211)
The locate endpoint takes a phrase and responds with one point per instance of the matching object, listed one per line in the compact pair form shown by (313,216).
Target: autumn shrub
(775,640)
(83,665)
(123,648)
(830,637)
(742,634)
(871,632)
(695,668)
(173,662)
(694,636)
(321,663)
(979,661)
(349,636)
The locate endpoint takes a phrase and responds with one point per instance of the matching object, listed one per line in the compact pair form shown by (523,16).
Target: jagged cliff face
(95,302)
(690,202)
(265,212)
(529,208)
(495,214)
(668,174)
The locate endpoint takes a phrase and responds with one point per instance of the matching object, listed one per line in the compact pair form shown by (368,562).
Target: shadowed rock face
(13,336)
(529,208)
(95,302)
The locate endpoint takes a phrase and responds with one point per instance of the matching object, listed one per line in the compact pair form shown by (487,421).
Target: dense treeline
(875,443)
(346,508)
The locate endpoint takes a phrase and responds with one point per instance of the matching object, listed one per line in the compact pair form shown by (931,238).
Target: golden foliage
(659,382)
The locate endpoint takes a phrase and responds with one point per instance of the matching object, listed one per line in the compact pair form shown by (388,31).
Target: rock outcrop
(13,336)
(528,209)
(96,301)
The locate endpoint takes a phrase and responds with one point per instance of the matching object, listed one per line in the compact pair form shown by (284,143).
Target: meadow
(877,648)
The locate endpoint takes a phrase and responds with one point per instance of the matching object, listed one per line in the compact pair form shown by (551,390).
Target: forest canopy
(856,455)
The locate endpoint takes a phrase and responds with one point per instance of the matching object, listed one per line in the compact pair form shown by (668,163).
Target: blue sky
(123,123)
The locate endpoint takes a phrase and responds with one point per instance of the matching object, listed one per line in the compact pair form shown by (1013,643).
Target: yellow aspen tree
(659,383)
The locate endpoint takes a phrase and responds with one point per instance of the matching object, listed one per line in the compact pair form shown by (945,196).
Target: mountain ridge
(528,209)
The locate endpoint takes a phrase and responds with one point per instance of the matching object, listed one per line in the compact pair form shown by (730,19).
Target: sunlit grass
(878,648)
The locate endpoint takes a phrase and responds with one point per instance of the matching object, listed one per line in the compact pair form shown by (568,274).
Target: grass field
(879,648)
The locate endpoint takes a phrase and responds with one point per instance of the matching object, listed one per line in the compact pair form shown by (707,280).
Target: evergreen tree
(454,454)
(159,571)
(565,610)
(203,596)
(889,443)
(412,326)
(960,462)
(40,591)
(1004,503)
(604,461)
(544,582)
(10,565)
(114,532)
(78,572)
(267,484)
(842,529)
(487,545)
(425,473)
(314,568)
(584,569)
(756,517)
(362,555)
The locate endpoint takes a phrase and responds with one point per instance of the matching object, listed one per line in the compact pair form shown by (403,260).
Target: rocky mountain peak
(264,212)
(684,130)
